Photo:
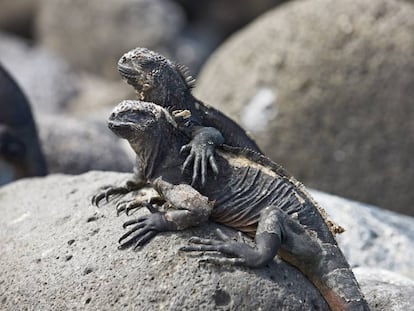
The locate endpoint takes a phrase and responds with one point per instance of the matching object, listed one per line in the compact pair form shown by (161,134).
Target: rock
(71,260)
(97,97)
(386,290)
(373,237)
(20,151)
(75,146)
(94,35)
(46,79)
(222,16)
(325,87)
(17,16)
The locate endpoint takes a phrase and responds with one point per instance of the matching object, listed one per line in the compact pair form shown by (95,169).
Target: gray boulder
(59,252)
(386,290)
(373,237)
(93,35)
(97,97)
(325,87)
(75,146)
(45,78)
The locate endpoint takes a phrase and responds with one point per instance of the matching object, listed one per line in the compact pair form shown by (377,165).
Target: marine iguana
(20,151)
(251,194)
(158,80)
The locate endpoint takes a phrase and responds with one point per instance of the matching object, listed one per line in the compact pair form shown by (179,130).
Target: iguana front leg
(268,239)
(201,152)
(190,209)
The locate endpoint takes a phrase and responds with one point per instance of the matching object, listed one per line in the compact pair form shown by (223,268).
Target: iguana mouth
(122,129)
(127,72)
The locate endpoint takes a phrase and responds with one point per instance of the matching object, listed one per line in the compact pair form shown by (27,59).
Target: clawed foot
(144,229)
(200,156)
(224,245)
(107,191)
(201,153)
(130,205)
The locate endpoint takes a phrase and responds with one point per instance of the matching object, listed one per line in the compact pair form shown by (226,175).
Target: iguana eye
(146,87)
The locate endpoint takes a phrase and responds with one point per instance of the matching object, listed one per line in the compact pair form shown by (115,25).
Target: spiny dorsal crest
(185,74)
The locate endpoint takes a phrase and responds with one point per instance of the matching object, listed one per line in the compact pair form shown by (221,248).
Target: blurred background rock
(326,87)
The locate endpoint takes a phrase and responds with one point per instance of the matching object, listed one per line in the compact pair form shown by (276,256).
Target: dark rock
(93,35)
(223,16)
(71,260)
(325,87)
(17,16)
(75,146)
(45,78)
(20,152)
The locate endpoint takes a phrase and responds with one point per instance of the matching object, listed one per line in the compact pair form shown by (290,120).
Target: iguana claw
(224,245)
(106,192)
(201,156)
(146,227)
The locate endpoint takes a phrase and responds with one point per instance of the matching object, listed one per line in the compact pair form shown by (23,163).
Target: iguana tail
(329,271)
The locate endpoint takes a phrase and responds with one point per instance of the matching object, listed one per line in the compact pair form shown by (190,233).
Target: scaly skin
(251,194)
(160,81)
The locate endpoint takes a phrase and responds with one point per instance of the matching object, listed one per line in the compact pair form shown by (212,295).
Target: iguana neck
(173,98)
(154,152)
(148,152)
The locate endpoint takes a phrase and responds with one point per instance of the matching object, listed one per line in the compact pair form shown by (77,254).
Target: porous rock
(45,78)
(386,290)
(60,252)
(75,146)
(373,237)
(325,87)
(93,35)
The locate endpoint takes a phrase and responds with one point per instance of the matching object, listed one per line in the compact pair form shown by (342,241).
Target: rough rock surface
(373,237)
(46,79)
(75,146)
(386,290)
(93,35)
(325,87)
(57,251)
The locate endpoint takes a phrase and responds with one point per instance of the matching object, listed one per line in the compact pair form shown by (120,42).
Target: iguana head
(155,78)
(133,119)
(150,130)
